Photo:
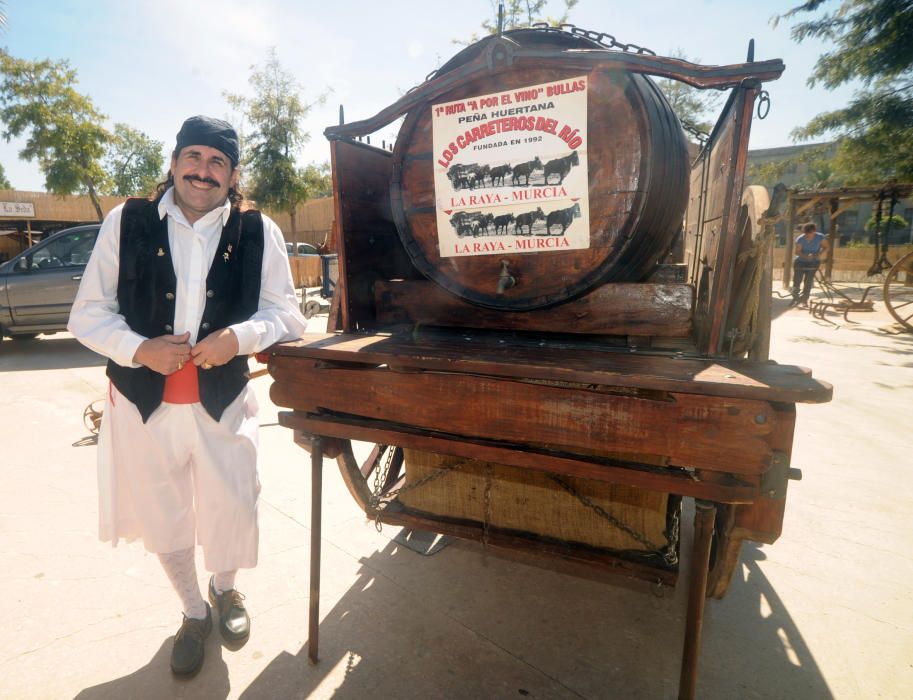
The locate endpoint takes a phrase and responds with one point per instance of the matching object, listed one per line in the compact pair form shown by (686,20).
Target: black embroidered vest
(146,289)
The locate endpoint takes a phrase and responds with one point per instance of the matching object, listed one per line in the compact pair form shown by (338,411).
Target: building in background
(27,217)
(850,222)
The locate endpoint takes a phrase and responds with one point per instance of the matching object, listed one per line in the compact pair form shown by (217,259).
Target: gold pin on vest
(161,253)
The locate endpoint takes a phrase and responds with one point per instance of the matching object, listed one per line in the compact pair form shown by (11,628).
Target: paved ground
(823,613)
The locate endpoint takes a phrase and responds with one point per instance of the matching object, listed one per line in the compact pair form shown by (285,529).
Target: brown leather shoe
(234,622)
(187,652)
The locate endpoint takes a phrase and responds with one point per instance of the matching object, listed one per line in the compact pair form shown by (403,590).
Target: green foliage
(691,105)
(873,42)
(318,180)
(518,14)
(895,223)
(815,167)
(62,127)
(134,162)
(275,113)
(4,183)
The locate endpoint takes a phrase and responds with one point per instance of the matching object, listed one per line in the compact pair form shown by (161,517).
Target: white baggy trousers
(181,478)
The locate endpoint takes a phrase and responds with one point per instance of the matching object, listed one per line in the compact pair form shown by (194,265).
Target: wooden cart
(621,380)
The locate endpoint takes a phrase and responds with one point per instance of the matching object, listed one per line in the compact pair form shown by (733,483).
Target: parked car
(38,286)
(301,249)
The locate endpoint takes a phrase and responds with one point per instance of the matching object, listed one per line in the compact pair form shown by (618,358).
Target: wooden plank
(721,292)
(762,521)
(341,294)
(620,309)
(509,356)
(688,429)
(609,61)
(711,241)
(722,488)
(368,243)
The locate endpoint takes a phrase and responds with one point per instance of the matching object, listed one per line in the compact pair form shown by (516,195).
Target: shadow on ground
(623,645)
(154,680)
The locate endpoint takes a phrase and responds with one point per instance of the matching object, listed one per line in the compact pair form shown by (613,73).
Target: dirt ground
(823,613)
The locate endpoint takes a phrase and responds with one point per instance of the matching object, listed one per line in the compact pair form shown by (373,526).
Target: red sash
(182,386)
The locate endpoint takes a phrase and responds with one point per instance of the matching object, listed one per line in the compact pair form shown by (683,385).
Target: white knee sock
(182,572)
(224,581)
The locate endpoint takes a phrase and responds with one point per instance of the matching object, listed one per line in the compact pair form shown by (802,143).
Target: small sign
(510,172)
(17,209)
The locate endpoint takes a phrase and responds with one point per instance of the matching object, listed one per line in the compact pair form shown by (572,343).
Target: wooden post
(316,488)
(704,516)
(832,237)
(28,228)
(790,243)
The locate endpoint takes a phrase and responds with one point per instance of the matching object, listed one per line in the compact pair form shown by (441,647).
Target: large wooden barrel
(628,153)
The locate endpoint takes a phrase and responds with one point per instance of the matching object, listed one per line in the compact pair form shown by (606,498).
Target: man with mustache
(179,290)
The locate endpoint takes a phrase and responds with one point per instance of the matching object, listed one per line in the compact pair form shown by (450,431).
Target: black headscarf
(207,131)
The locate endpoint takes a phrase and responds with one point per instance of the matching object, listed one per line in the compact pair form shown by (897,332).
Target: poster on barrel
(510,171)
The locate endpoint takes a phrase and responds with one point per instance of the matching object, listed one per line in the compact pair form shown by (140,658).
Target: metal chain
(601,38)
(701,135)
(601,512)
(380,476)
(378,505)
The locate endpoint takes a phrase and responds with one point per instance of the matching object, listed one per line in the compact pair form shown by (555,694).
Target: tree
(134,162)
(4,183)
(813,168)
(318,180)
(872,42)
(520,13)
(64,132)
(275,113)
(693,106)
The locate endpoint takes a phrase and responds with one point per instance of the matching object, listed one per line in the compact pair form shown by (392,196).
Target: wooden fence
(850,264)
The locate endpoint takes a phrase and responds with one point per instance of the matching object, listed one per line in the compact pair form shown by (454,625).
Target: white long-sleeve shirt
(96,319)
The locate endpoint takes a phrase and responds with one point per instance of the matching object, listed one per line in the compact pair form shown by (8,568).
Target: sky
(153,64)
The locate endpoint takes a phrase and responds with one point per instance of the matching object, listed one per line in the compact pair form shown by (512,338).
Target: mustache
(205,180)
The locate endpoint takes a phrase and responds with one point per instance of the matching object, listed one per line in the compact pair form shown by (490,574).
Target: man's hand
(165,354)
(215,349)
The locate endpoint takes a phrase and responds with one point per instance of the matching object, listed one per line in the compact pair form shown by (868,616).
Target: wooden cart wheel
(898,291)
(362,479)
(748,320)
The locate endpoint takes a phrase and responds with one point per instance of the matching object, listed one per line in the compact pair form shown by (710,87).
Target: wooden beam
(661,310)
(710,485)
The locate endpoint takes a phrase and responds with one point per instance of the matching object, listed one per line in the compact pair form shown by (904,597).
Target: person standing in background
(810,248)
